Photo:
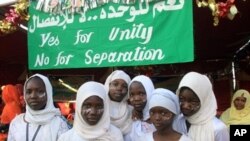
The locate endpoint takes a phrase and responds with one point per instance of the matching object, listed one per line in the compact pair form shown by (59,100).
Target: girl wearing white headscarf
(164,108)
(141,124)
(46,124)
(82,131)
(204,126)
(120,112)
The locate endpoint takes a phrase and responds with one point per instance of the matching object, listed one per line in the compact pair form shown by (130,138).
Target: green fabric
(112,35)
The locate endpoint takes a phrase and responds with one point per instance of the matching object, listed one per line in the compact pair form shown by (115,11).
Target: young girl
(120,112)
(164,107)
(92,119)
(198,106)
(140,91)
(41,121)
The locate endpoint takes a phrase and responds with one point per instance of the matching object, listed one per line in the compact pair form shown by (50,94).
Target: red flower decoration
(224,8)
(12,17)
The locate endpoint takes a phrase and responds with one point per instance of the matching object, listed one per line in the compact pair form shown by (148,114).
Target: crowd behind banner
(121,109)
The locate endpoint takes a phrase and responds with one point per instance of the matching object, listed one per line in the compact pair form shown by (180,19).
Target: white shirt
(71,135)
(17,131)
(220,130)
(149,137)
(139,129)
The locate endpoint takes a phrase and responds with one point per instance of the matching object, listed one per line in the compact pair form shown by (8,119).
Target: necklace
(27,132)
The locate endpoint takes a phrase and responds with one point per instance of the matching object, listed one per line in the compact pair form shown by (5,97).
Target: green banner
(112,35)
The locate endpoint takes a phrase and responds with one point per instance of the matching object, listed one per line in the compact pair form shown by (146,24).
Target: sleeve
(64,126)
(224,116)
(146,137)
(11,132)
(61,138)
(68,136)
(221,132)
(185,138)
(117,134)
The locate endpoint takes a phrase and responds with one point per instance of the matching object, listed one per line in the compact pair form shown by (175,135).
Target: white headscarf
(45,115)
(149,87)
(202,121)
(120,112)
(99,131)
(117,74)
(166,99)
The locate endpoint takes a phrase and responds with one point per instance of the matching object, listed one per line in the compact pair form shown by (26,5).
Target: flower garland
(14,17)
(19,13)
(219,10)
(72,6)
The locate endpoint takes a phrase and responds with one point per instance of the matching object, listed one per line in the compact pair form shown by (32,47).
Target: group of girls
(122,109)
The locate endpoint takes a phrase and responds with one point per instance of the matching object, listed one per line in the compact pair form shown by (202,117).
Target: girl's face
(161,117)
(137,96)
(118,89)
(189,102)
(92,110)
(35,93)
(239,102)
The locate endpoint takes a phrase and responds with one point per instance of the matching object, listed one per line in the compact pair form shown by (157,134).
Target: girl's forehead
(35,81)
(119,80)
(159,108)
(93,99)
(187,92)
(136,86)
(136,83)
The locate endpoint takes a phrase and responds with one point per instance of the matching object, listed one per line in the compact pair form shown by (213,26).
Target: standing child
(164,108)
(120,112)
(92,119)
(198,106)
(140,91)
(41,121)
